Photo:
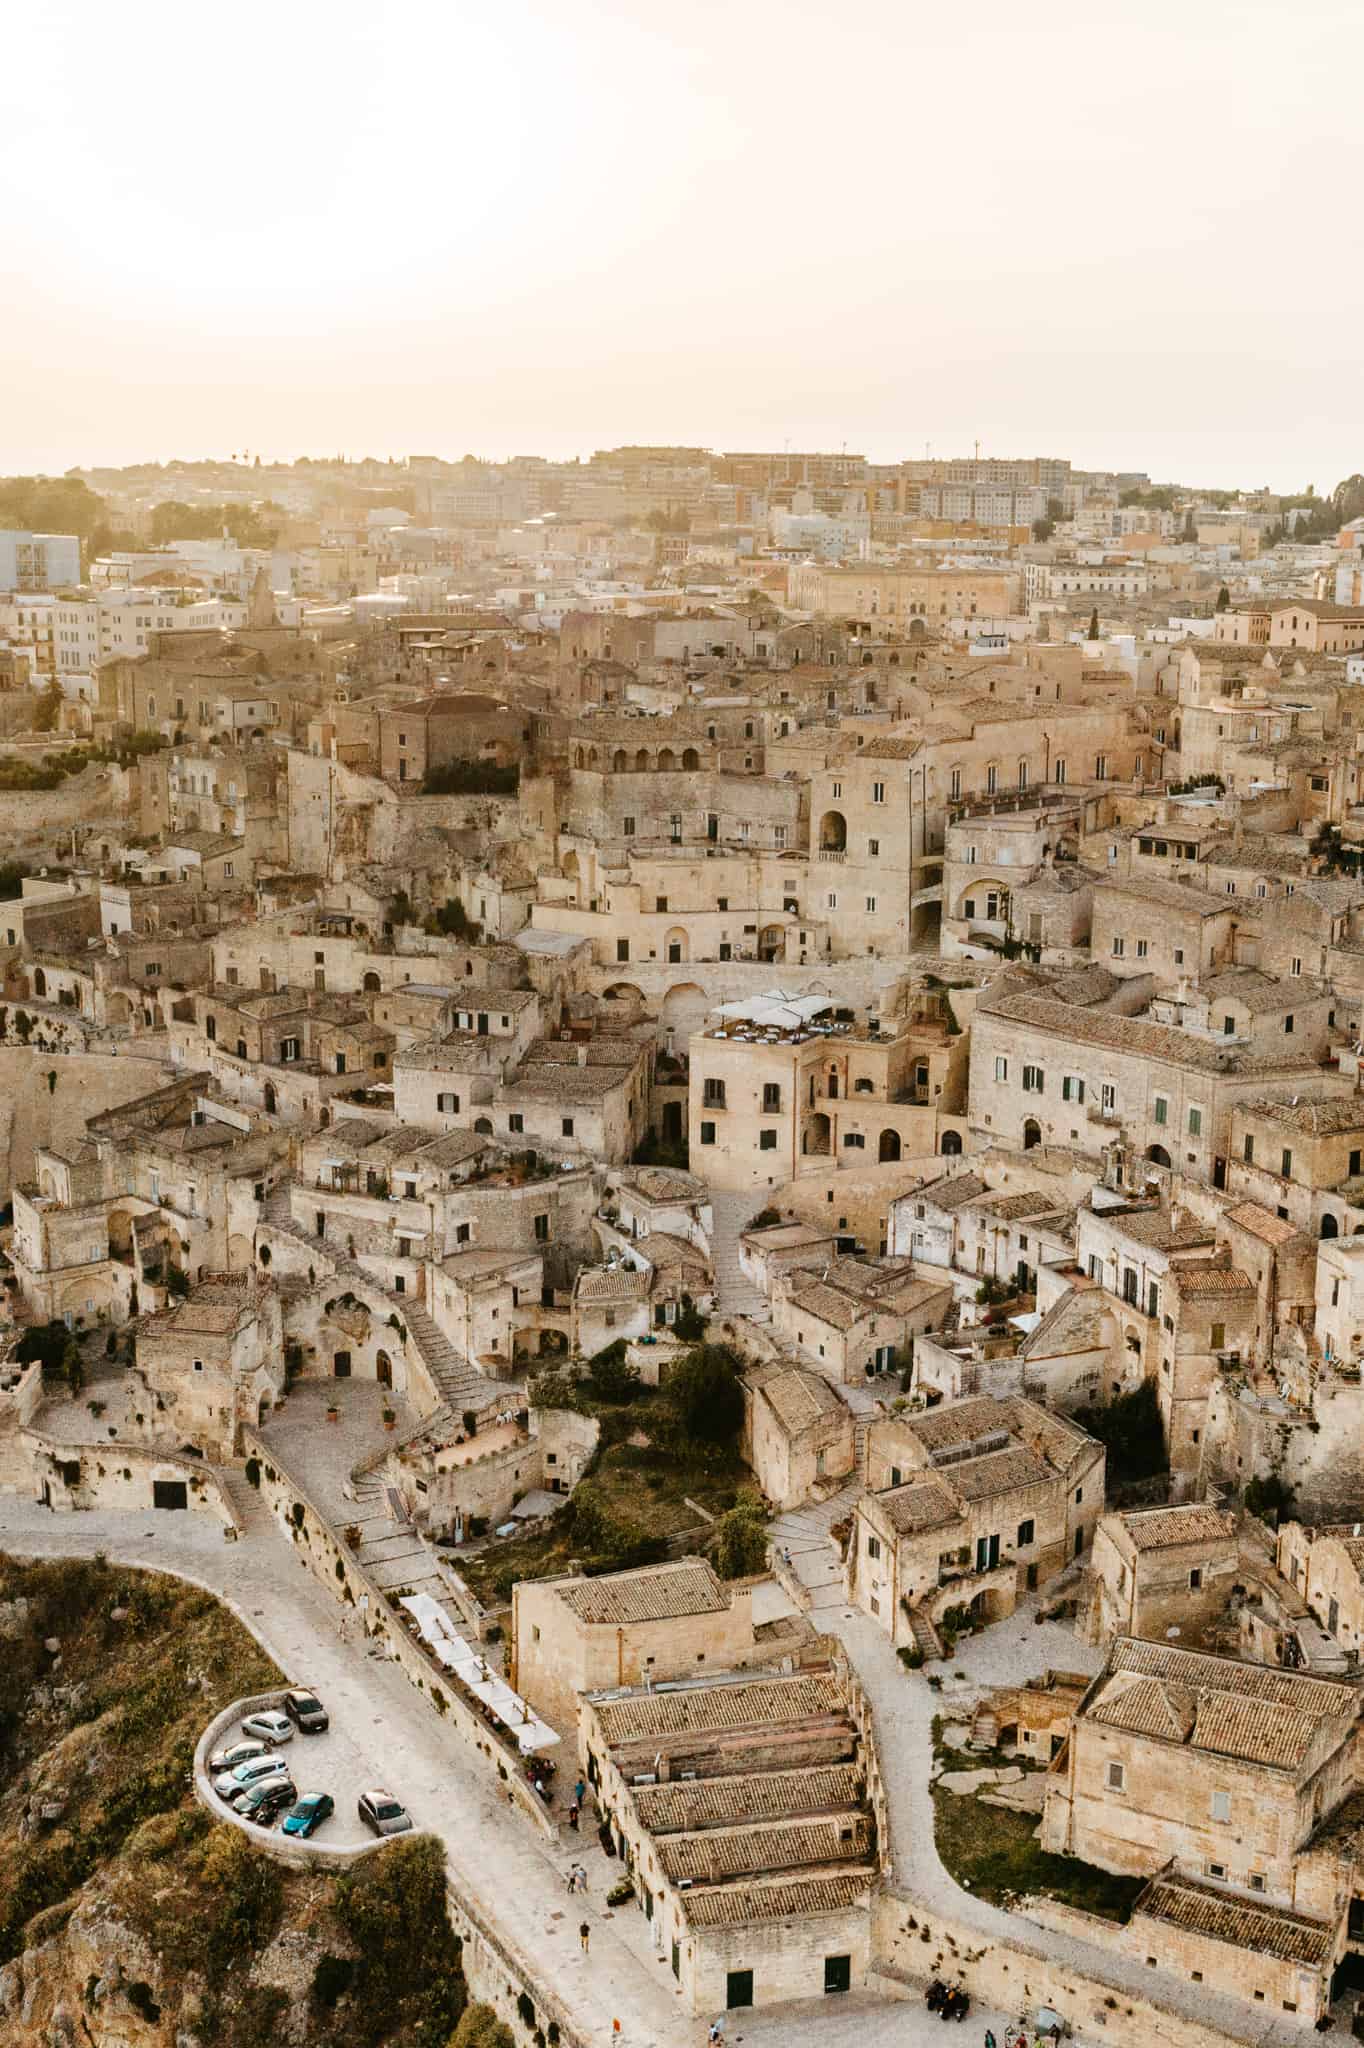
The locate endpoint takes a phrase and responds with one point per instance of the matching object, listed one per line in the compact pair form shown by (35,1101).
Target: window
(542,1229)
(1101,767)
(516,1122)
(878,792)
(1257,1884)
(707,1134)
(1288,1023)
(1108,1096)
(954,783)
(1119,947)
(1286,1163)
(771,1097)
(1058,772)
(447,1105)
(991,779)
(871,903)
(1001,1067)
(1196,1586)
(854,1141)
(660,903)
(566,1126)
(1217,1336)
(622,949)
(1033,1079)
(1162,1109)
(1117,1778)
(627,826)
(1025,1534)
(1072,1088)
(873,849)
(767,1141)
(1179,956)
(1217,1870)
(1195,1123)
(1141,949)
(713,1093)
(1295,965)
(873,1546)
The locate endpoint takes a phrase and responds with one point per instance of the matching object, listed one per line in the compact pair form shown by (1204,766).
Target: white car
(269,1726)
(230,1783)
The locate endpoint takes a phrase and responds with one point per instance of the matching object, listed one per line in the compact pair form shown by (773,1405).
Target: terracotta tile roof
(998,1472)
(951,1192)
(1137,1036)
(1217,1916)
(918,1504)
(654,1593)
(798,1398)
(688,1804)
(1195,1669)
(1164,1528)
(1205,1280)
(1262,1223)
(1330,1118)
(713,1855)
(791,1898)
(711,1709)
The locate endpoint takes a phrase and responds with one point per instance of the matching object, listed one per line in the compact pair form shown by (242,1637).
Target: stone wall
(345,1578)
(912,1942)
(120,1477)
(300,1854)
(34,1114)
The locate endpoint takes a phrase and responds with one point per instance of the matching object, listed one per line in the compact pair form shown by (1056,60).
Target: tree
(1224,599)
(1129,1428)
(1094,623)
(741,1539)
(706,1395)
(613,1377)
(479,2027)
(47,716)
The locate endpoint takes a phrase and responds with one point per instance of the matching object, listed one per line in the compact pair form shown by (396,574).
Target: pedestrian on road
(573,1878)
(584,1935)
(716,2036)
(573,1817)
(578,1790)
(989,2039)
(786,1556)
(582,1877)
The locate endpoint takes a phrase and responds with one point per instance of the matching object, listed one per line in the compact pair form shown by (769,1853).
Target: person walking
(573,1817)
(989,2039)
(573,1878)
(584,1935)
(579,1790)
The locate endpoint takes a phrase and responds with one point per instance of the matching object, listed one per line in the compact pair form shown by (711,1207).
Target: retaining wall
(325,1555)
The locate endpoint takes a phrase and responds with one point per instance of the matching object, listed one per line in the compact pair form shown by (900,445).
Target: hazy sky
(1124,233)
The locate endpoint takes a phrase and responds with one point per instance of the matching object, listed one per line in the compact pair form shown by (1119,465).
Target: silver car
(380,1811)
(230,1784)
(235,1753)
(269,1726)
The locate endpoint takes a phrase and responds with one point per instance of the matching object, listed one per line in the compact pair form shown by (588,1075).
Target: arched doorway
(1329,1226)
(691,760)
(675,946)
(484,1126)
(815,1137)
(667,760)
(270,1098)
(950,1145)
(39,982)
(618,761)
(641,760)
(371,983)
(889,1148)
(383,1368)
(833,833)
(1032,1134)
(1157,1155)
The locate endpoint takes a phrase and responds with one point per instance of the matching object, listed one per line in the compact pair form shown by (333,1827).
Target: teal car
(307,1817)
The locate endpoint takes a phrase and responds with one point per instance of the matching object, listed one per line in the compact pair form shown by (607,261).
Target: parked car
(235,1753)
(307,1817)
(265,1802)
(380,1811)
(230,1784)
(306,1711)
(269,1726)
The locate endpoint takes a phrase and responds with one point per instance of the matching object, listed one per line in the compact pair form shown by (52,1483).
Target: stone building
(1160,1570)
(798,1436)
(968,1506)
(749,1814)
(574,1636)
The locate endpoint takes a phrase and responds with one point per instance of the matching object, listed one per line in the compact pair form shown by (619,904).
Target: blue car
(307,1817)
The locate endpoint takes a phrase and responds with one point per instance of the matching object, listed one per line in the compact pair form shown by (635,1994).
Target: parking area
(329,1763)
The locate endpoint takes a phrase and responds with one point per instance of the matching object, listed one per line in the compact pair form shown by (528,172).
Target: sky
(1126,234)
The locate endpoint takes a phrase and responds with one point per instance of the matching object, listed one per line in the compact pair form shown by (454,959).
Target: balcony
(837,854)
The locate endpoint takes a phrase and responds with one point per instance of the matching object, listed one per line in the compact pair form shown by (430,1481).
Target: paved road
(518,1881)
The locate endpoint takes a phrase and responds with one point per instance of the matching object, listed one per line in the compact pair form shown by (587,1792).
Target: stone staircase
(735,1294)
(459,1384)
(391,1550)
(248,1509)
(925,1634)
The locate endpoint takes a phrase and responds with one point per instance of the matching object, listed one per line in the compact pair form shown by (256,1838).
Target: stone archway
(889,1147)
(950,1145)
(371,983)
(1157,1155)
(676,946)
(833,833)
(1032,1134)
(816,1139)
(1329,1226)
(684,1009)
